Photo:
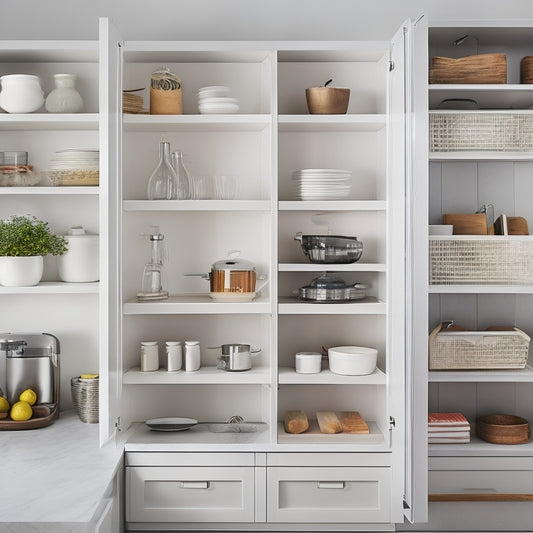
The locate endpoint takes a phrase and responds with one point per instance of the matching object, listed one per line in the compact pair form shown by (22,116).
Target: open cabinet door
(110,244)
(416,314)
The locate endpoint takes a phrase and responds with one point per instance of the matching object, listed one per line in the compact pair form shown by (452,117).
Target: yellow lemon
(21,411)
(28,396)
(4,405)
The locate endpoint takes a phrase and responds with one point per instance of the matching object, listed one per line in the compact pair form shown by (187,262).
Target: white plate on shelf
(233,296)
(171,424)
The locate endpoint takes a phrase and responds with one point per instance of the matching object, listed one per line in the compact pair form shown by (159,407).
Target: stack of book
(448,428)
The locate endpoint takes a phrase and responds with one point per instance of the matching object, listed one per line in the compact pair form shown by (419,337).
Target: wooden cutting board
(468,224)
(517,226)
(352,422)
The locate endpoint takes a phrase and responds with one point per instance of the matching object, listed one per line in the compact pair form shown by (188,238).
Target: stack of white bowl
(216,99)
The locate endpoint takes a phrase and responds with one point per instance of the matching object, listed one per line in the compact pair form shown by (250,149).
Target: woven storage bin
(491,260)
(477,350)
(455,131)
(85,398)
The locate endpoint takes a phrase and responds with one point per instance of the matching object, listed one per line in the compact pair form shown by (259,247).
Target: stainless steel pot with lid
(331,288)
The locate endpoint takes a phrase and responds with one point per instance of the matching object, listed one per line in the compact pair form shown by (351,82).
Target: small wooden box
(481,68)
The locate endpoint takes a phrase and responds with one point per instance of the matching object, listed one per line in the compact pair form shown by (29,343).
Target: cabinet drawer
(328,494)
(501,489)
(197,494)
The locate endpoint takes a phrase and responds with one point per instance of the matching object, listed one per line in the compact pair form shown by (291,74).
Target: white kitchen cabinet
(79,317)
(462,182)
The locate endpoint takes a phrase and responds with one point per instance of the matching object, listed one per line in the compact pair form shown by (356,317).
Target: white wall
(239,19)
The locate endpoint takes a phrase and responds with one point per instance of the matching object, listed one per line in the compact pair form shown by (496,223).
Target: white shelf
(289,376)
(481,156)
(23,51)
(482,376)
(366,306)
(333,205)
(478,447)
(197,205)
(49,121)
(218,123)
(333,123)
(197,304)
(206,375)
(49,190)
(314,436)
(490,96)
(480,289)
(54,287)
(322,267)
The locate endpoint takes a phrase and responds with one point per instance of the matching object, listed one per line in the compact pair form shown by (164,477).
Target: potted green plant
(24,240)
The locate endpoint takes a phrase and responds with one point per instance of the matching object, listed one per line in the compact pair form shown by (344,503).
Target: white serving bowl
(352,360)
(308,362)
(441,229)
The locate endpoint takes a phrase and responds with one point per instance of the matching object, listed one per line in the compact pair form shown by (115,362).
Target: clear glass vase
(163,182)
(183,177)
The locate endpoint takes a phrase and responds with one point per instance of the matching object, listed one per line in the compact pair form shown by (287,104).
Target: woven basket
(74,177)
(481,68)
(455,131)
(477,350)
(491,259)
(85,398)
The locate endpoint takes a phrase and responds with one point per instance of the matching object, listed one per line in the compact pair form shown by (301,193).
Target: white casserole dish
(352,360)
(308,362)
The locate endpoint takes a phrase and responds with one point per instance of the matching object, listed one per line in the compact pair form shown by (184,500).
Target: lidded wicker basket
(85,398)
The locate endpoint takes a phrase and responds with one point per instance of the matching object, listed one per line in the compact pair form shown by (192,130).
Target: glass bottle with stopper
(153,274)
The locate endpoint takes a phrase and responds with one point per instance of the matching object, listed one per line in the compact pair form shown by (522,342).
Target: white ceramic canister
(149,356)
(80,262)
(192,356)
(174,356)
(64,98)
(308,362)
(21,93)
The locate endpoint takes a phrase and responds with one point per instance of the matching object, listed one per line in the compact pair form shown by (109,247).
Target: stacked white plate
(321,184)
(216,99)
(71,159)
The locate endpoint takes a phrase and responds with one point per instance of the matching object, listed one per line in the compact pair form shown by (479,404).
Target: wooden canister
(526,69)
(165,93)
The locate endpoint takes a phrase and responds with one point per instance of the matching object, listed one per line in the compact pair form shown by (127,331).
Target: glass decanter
(163,182)
(184,191)
(153,274)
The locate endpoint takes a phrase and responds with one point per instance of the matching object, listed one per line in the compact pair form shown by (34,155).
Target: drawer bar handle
(490,497)
(331,484)
(194,484)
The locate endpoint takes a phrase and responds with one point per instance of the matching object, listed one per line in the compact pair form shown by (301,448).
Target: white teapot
(21,93)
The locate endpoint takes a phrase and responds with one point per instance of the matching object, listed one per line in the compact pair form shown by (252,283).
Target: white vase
(21,271)
(64,98)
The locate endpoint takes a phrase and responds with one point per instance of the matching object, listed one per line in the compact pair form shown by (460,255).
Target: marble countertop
(54,476)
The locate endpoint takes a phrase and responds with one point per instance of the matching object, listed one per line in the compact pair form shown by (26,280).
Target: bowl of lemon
(25,413)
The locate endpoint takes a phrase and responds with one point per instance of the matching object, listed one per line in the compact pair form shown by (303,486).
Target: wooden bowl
(503,429)
(327,100)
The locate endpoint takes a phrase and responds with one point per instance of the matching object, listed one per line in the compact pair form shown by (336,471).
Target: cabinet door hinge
(391,65)
(392,422)
(117,423)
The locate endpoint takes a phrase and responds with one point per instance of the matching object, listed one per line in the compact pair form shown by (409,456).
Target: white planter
(21,271)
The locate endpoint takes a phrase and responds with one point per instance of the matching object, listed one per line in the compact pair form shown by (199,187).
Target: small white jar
(21,93)
(174,356)
(149,356)
(308,362)
(192,356)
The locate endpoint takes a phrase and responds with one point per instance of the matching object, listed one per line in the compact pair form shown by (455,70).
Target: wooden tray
(503,429)
(481,68)
(43,415)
